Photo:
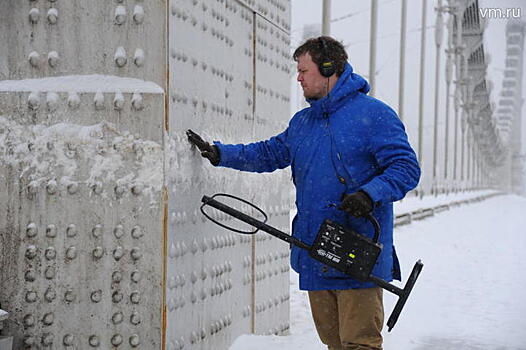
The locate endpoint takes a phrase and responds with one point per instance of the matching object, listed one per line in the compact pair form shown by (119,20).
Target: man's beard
(311,96)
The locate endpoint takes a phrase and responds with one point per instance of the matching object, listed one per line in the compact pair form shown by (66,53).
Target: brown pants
(349,319)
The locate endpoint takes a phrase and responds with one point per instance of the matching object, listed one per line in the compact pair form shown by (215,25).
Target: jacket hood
(348,84)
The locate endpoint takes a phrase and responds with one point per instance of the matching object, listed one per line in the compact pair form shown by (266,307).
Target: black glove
(211,152)
(358,204)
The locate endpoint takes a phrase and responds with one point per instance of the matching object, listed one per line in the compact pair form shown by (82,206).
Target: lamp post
(372,48)
(438,44)
(326,18)
(401,76)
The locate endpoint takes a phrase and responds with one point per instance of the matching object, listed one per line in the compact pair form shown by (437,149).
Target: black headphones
(326,66)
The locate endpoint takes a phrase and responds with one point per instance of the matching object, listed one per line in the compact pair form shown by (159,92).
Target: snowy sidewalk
(470,295)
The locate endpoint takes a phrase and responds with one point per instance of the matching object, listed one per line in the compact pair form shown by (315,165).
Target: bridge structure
(102,241)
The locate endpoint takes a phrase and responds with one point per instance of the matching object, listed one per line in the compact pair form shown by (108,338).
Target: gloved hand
(211,152)
(358,204)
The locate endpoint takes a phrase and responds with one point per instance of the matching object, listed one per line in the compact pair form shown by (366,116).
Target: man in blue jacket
(349,156)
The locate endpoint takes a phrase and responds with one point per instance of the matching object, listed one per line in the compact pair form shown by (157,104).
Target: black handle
(376,225)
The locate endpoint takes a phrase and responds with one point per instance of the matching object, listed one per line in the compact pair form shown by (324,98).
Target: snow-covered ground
(470,295)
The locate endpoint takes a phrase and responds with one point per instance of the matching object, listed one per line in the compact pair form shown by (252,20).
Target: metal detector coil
(336,246)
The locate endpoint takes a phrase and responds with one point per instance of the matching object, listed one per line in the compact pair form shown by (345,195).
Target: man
(349,154)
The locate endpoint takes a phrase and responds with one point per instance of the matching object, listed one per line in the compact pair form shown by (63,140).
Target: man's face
(313,83)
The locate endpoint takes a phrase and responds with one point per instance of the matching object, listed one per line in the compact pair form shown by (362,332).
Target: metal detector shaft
(254,222)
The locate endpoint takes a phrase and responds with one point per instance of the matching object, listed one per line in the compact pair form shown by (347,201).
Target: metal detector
(337,246)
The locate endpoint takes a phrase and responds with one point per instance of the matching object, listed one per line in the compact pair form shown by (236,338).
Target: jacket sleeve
(262,156)
(397,164)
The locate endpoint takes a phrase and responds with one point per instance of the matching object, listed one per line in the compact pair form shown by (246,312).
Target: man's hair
(334,52)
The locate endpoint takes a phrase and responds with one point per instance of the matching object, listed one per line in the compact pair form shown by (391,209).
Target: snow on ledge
(3,315)
(82,83)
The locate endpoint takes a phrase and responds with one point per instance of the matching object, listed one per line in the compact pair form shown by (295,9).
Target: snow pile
(3,314)
(82,83)
(64,153)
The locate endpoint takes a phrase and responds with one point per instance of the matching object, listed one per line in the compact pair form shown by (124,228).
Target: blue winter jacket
(345,134)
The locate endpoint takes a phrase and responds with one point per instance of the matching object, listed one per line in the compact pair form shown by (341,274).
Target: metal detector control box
(345,250)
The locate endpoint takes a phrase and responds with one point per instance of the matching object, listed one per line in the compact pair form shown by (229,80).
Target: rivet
(138,58)
(50,294)
(47,339)
(94,341)
(118,231)
(172,252)
(137,103)
(31,296)
(71,253)
(33,100)
(50,272)
(29,321)
(71,230)
(120,15)
(97,188)
(98,101)
(120,57)
(137,232)
(172,283)
(135,297)
(34,15)
(119,190)
(69,296)
(51,187)
(117,318)
(118,101)
(52,15)
(97,230)
(138,14)
(48,319)
(193,298)
(135,276)
(53,58)
(96,296)
(204,245)
(182,280)
(31,230)
(136,253)
(195,246)
(73,100)
(68,339)
(116,277)
(30,276)
(134,340)
(116,297)
(98,252)
(135,319)
(136,189)
(73,188)
(118,253)
(50,253)
(116,340)
(34,59)
(31,252)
